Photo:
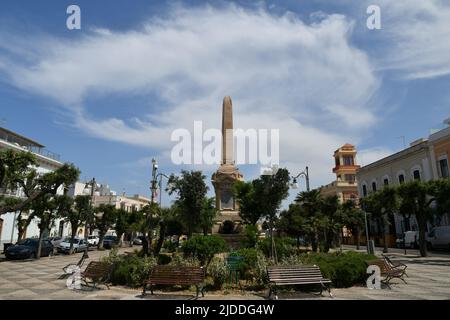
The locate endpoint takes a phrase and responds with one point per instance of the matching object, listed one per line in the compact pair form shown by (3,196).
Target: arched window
(401,178)
(416,175)
(374,186)
(364,190)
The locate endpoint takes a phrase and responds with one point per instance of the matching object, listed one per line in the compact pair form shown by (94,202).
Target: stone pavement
(429,278)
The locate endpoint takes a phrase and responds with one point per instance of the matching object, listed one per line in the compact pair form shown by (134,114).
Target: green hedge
(343,269)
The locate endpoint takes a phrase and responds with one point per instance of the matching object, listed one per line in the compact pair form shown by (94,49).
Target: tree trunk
(162,235)
(39,249)
(101,236)
(358,237)
(386,234)
(422,240)
(314,242)
(72,236)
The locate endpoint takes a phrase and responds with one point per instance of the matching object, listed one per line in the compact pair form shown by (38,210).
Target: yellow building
(345,185)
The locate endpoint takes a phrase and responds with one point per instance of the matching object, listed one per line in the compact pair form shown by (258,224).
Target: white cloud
(307,80)
(368,156)
(417,33)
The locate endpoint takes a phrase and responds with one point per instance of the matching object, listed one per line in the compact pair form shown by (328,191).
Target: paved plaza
(429,278)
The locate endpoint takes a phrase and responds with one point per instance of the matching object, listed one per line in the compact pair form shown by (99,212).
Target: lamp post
(367,228)
(161,175)
(304,173)
(92,184)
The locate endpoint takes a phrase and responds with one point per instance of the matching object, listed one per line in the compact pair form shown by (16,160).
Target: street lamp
(294,184)
(89,188)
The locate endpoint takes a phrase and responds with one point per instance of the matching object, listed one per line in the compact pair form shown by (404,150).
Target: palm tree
(311,202)
(353,218)
(388,204)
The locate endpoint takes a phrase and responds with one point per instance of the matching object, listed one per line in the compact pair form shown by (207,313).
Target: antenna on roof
(404,141)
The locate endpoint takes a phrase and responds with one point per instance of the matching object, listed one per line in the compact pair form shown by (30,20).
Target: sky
(107,97)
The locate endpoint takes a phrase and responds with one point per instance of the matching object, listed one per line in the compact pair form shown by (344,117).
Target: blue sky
(107,97)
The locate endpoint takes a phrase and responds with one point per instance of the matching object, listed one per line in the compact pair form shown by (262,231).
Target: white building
(47,162)
(425,160)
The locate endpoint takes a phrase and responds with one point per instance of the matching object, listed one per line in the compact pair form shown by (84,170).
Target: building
(47,162)
(345,186)
(104,195)
(228,219)
(424,159)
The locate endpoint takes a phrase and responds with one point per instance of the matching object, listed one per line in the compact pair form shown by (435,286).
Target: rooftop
(23,142)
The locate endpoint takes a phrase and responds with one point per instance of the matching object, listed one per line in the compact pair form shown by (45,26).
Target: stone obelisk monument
(224,178)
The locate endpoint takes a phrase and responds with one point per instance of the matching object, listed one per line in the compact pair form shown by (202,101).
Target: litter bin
(5,246)
(371,247)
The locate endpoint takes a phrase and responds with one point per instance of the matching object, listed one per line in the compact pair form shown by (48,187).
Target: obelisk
(226,175)
(227,131)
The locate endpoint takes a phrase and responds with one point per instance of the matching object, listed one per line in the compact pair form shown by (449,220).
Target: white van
(411,240)
(439,237)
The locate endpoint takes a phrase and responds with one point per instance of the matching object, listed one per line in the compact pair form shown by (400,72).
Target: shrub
(248,263)
(343,269)
(131,270)
(251,236)
(179,261)
(204,247)
(170,246)
(284,246)
(218,270)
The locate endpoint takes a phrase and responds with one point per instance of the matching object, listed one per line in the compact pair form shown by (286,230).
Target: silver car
(79,245)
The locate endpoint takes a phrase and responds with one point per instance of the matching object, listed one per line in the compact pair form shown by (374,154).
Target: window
(348,160)
(386,181)
(374,186)
(443,165)
(350,178)
(364,188)
(416,175)
(401,179)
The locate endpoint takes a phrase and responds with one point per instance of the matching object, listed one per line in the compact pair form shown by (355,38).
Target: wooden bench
(387,271)
(396,264)
(176,276)
(296,275)
(97,272)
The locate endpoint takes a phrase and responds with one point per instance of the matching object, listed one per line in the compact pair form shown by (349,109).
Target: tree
(17,171)
(293,222)
(75,211)
(414,198)
(353,218)
(249,211)
(16,168)
(207,214)
(388,204)
(104,219)
(122,224)
(311,202)
(191,190)
(269,192)
(332,221)
(44,209)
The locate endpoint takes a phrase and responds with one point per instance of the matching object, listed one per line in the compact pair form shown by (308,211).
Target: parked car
(27,248)
(79,245)
(138,240)
(55,241)
(110,242)
(439,238)
(93,240)
(411,240)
